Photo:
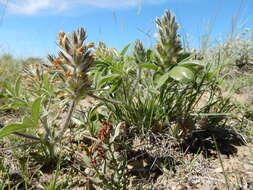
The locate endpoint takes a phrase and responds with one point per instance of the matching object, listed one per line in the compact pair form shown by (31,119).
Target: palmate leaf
(177,73)
(162,79)
(181,74)
(9,129)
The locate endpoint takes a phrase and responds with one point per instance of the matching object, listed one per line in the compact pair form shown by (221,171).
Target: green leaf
(7,130)
(162,79)
(9,88)
(102,63)
(115,86)
(153,91)
(148,66)
(27,121)
(191,64)
(4,107)
(42,91)
(123,52)
(108,79)
(17,86)
(11,128)
(46,81)
(36,109)
(19,102)
(149,53)
(182,74)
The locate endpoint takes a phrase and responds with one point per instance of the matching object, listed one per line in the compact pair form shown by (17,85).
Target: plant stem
(27,136)
(67,120)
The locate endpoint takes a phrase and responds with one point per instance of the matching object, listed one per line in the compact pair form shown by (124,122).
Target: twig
(27,136)
(18,146)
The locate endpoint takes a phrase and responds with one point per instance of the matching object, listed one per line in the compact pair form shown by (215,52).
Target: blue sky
(29,27)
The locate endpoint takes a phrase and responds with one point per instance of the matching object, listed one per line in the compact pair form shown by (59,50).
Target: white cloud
(30,7)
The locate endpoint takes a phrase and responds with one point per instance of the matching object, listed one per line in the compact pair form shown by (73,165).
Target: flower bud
(81,50)
(61,35)
(158,46)
(57,61)
(91,45)
(68,75)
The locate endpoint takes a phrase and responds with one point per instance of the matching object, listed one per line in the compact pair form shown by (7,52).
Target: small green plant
(107,164)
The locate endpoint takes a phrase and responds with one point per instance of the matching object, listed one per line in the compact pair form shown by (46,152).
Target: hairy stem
(67,120)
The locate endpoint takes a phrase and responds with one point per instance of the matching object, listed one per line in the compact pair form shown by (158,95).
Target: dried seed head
(81,50)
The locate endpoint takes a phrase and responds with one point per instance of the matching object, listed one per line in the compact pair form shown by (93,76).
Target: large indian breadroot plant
(70,68)
(73,63)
